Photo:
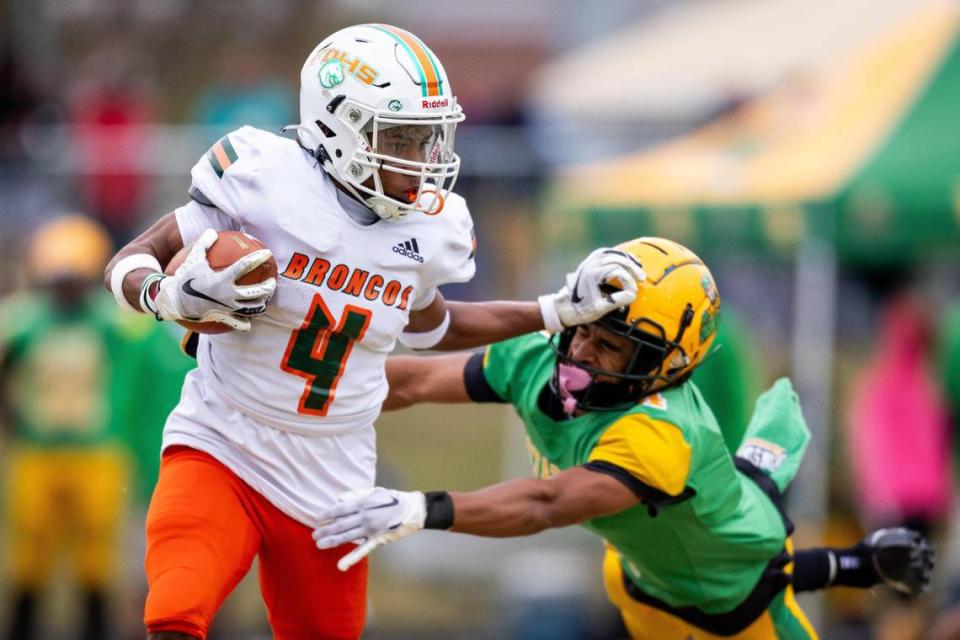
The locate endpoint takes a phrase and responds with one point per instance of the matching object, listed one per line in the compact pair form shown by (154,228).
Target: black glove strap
(439,510)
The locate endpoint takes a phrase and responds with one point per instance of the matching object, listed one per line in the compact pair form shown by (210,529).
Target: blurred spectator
(109,112)
(899,439)
(244,93)
(72,380)
(898,420)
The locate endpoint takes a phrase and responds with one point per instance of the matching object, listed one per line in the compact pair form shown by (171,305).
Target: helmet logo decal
(708,324)
(352,65)
(395,105)
(331,74)
(709,288)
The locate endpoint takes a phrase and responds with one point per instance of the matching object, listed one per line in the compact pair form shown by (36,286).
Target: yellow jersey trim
(653,451)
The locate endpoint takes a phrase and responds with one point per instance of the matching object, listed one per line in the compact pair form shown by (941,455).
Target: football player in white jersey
(277,419)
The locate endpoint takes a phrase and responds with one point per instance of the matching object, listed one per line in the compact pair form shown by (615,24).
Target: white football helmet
(374,98)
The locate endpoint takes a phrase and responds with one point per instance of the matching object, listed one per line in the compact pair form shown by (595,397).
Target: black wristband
(855,567)
(439,510)
(811,569)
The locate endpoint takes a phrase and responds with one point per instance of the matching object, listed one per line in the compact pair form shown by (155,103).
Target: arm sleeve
(465,265)
(476,383)
(194,218)
(652,452)
(812,569)
(495,369)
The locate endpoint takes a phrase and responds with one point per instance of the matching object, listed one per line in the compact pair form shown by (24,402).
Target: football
(229,247)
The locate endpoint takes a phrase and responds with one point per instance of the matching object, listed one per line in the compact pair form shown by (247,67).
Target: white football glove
(198,293)
(590,292)
(369,518)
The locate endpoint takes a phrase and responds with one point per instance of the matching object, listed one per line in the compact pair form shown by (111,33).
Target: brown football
(229,247)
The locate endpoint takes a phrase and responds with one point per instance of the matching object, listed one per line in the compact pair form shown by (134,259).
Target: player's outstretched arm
(603,281)
(452,326)
(417,379)
(525,506)
(520,507)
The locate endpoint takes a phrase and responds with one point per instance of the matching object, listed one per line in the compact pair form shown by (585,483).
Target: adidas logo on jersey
(409,249)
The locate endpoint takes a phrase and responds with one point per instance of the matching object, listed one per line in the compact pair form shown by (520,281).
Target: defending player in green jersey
(698,544)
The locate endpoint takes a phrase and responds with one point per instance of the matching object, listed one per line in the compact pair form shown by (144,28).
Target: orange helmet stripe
(429,74)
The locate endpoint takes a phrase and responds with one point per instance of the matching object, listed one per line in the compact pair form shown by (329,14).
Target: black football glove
(902,557)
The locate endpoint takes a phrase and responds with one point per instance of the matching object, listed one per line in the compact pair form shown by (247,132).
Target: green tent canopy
(864,154)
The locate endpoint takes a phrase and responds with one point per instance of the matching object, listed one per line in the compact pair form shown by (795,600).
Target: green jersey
(704,533)
(88,376)
(58,369)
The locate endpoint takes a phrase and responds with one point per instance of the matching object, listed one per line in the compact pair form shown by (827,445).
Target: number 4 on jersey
(318,352)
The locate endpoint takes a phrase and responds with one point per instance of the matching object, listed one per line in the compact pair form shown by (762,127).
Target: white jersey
(313,365)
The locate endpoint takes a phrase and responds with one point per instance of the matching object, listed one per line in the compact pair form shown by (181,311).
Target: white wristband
(426,339)
(125,266)
(548,309)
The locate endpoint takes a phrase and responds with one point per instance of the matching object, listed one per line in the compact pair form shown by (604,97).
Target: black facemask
(575,383)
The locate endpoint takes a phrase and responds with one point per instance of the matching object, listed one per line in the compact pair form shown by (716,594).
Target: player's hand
(198,293)
(903,559)
(369,518)
(605,280)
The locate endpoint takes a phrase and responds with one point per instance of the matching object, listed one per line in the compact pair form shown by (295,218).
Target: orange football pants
(204,527)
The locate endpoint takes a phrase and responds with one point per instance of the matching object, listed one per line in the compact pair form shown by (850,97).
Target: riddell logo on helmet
(434,104)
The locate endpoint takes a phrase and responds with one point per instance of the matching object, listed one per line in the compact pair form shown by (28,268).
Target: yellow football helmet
(671,324)
(69,246)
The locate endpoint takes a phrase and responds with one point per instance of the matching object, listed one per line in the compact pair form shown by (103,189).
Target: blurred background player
(277,420)
(67,467)
(698,544)
(72,397)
